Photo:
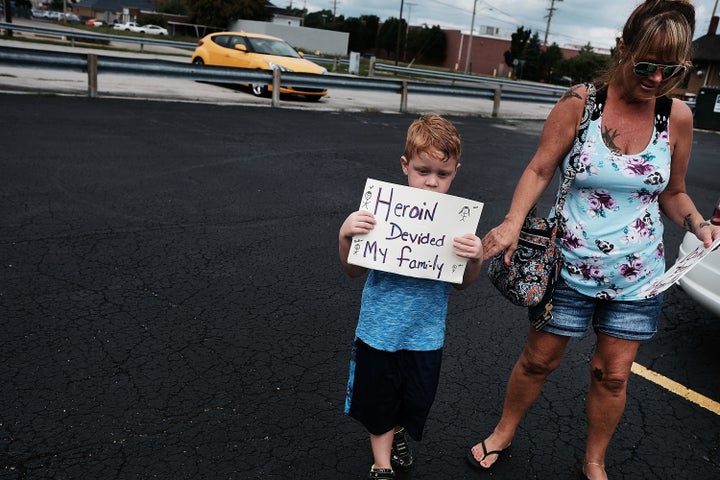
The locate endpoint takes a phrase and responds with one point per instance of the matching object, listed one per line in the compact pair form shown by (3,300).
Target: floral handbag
(535,263)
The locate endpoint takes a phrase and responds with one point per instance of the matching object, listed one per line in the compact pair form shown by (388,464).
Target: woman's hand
(503,237)
(707,232)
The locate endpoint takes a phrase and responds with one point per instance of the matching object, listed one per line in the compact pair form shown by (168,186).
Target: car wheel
(259,90)
(198,61)
(313,98)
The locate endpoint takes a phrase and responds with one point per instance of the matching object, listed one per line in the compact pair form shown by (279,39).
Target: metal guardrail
(454,77)
(98,64)
(406,71)
(101,37)
(94,64)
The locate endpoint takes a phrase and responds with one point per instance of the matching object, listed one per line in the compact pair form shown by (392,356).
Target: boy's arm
(357,223)
(469,246)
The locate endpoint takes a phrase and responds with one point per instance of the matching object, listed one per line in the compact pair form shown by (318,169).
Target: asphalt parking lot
(173,306)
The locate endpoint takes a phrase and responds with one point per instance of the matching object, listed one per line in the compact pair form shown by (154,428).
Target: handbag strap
(570,171)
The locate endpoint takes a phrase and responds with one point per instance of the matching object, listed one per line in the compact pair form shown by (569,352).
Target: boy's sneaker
(401,456)
(381,474)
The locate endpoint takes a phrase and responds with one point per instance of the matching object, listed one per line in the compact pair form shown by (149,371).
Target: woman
(632,166)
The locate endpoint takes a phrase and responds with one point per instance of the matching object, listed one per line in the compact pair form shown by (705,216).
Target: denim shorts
(572,313)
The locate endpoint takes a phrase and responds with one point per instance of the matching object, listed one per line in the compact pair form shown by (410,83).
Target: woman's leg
(540,357)
(381,447)
(609,372)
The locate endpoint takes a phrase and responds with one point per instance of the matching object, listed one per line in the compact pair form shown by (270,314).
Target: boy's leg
(381,446)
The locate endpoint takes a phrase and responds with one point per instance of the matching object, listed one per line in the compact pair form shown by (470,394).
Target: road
(173,306)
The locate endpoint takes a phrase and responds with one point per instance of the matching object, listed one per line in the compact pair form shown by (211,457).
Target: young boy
(396,355)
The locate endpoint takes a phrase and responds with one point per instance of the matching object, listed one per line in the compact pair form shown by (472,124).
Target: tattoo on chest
(609,137)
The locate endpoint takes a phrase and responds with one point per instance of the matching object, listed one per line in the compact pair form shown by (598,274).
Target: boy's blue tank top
(402,313)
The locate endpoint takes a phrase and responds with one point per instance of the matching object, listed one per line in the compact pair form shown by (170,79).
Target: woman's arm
(556,141)
(674,201)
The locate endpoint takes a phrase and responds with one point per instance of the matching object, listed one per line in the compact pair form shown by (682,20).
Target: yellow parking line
(676,388)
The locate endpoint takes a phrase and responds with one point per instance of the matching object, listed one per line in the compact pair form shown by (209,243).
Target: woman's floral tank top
(612,242)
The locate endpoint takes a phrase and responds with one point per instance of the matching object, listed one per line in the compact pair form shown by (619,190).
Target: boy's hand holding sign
(414,231)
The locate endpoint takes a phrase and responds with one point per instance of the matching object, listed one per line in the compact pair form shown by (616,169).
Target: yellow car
(251,50)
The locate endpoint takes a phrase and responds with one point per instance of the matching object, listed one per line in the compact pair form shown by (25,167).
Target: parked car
(702,282)
(127,27)
(251,50)
(95,22)
(153,30)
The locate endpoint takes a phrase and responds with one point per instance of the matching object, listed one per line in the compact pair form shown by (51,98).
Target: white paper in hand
(676,272)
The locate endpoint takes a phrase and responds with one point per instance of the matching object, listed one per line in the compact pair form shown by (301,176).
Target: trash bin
(707,108)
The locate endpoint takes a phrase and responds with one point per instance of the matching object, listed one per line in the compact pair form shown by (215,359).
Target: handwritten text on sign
(414,231)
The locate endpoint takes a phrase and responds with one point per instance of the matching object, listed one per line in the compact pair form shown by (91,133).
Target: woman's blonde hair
(433,131)
(667,25)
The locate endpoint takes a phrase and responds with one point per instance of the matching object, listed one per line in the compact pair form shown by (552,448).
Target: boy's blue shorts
(387,389)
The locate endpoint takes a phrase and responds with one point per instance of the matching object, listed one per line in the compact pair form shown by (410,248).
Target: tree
(363,32)
(586,66)
(176,7)
(388,35)
(426,45)
(220,13)
(319,19)
(517,46)
(531,55)
(550,60)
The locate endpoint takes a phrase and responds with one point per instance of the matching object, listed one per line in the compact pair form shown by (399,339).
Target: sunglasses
(646,69)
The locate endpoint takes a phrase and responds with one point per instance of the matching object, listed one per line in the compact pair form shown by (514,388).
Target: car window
(236,40)
(221,40)
(269,46)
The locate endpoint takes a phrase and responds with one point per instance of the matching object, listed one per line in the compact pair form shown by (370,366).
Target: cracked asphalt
(173,306)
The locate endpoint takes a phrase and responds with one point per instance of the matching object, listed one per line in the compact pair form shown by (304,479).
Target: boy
(396,355)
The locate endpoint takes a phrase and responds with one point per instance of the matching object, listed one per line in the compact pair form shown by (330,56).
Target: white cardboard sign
(414,232)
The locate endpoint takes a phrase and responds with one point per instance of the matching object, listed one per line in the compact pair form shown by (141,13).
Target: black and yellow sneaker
(381,474)
(401,456)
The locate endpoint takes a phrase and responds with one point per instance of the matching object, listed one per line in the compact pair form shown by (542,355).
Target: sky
(573,22)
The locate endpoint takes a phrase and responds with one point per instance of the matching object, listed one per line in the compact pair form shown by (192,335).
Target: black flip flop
(476,464)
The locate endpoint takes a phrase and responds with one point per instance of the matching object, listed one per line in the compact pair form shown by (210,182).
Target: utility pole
(8,16)
(549,17)
(407,30)
(469,50)
(397,44)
